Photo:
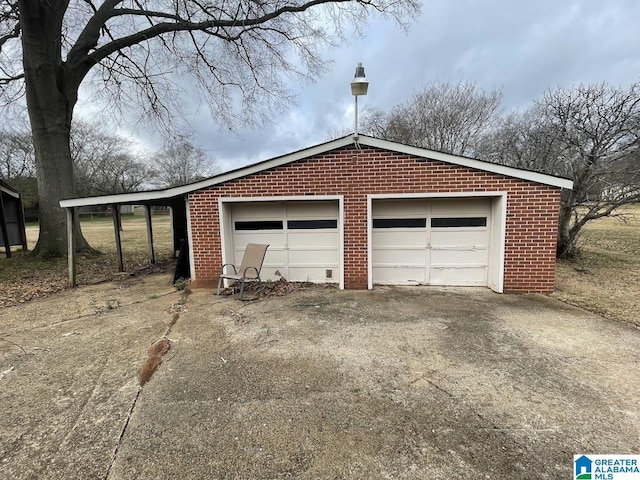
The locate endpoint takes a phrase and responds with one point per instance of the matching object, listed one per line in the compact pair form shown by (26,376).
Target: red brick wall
(532,209)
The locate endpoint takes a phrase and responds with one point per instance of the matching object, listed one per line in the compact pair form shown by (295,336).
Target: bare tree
(236,50)
(181,162)
(17,158)
(589,133)
(445,117)
(105,162)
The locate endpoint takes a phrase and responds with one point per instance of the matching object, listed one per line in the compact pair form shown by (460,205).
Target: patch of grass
(606,277)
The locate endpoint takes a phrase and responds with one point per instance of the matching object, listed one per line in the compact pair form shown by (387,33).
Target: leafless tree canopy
(105,162)
(141,52)
(590,134)
(451,118)
(135,54)
(181,162)
(16,154)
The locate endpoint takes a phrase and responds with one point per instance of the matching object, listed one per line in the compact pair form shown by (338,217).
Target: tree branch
(14,33)
(181,26)
(8,80)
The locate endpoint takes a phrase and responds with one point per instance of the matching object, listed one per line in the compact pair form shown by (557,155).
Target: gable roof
(363,140)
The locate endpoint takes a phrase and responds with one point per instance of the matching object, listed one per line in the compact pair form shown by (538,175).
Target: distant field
(100,235)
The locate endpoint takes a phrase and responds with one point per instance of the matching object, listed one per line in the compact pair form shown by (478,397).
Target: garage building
(375,212)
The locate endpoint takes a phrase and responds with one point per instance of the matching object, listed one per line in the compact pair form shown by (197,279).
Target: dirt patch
(156,353)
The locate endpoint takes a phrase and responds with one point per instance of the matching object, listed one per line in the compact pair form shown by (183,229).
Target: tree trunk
(50,102)
(567,237)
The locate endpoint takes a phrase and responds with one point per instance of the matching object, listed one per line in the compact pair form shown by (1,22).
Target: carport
(156,198)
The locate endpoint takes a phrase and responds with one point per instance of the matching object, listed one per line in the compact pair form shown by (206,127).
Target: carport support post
(3,228)
(115,213)
(71,245)
(147,211)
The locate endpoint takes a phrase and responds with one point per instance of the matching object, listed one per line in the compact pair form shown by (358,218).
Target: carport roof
(169,193)
(8,189)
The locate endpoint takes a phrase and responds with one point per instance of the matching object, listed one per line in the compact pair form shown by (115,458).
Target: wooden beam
(3,229)
(174,246)
(23,232)
(71,245)
(115,213)
(152,255)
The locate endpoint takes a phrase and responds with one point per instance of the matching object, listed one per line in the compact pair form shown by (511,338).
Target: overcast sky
(520,47)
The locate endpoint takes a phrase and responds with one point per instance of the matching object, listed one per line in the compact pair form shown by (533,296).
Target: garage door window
(399,222)
(259,225)
(452,222)
(311,224)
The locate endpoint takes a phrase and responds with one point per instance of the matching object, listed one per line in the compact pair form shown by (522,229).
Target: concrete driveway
(321,384)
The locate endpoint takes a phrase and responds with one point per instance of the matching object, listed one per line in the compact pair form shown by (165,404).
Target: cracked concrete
(401,383)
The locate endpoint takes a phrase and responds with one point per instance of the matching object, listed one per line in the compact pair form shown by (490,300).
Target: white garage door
(302,236)
(431,241)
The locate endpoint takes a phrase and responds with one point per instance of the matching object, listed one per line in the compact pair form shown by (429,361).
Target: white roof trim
(316,150)
(9,191)
(470,162)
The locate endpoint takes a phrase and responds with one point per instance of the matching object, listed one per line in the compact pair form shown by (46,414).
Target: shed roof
(8,189)
(169,193)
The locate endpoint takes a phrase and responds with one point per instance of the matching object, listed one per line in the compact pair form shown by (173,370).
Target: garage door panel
(273,239)
(415,256)
(399,238)
(460,238)
(315,256)
(312,274)
(409,208)
(311,209)
(397,275)
(459,256)
(462,276)
(304,238)
(460,207)
(257,211)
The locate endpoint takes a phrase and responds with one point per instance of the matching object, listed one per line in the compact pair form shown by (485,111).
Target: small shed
(12,227)
(365,212)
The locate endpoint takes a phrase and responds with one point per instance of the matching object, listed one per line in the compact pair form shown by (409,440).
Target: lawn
(23,277)
(605,279)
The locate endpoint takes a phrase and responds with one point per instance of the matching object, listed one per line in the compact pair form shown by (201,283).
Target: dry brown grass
(23,277)
(606,277)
